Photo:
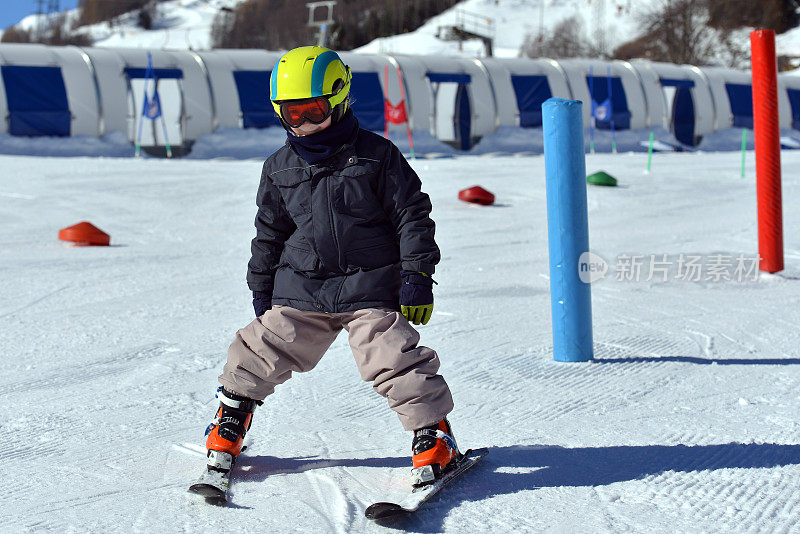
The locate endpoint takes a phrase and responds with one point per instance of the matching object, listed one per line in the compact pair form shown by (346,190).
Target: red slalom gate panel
(477,195)
(768,150)
(85,234)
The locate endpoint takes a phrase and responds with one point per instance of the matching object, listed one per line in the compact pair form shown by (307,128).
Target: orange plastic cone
(84,234)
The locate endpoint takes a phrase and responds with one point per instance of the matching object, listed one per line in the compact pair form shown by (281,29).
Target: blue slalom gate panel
(531,92)
(253,89)
(161,74)
(37,101)
(794,100)
(741,99)
(683,116)
(366,94)
(598,89)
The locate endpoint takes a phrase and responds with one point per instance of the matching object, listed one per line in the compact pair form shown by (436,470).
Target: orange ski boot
(435,451)
(225,435)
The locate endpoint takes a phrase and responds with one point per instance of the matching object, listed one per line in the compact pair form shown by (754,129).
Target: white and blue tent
(522,85)
(47,91)
(613,84)
(69,91)
(732,91)
(240,85)
(789,100)
(451,97)
(239,81)
(367,88)
(184,90)
(679,99)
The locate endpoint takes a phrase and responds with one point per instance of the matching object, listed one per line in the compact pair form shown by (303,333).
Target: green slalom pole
(744,148)
(650,152)
(166,138)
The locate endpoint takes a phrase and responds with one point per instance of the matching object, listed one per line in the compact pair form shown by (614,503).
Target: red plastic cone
(84,234)
(477,195)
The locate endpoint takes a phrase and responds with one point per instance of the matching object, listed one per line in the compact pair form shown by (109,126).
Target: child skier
(343,241)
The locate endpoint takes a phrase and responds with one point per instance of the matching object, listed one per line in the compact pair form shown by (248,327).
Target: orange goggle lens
(314,110)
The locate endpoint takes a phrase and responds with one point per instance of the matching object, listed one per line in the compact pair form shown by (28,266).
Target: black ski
(213,485)
(420,495)
(215,481)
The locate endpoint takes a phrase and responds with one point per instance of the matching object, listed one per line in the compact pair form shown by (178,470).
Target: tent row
(68,91)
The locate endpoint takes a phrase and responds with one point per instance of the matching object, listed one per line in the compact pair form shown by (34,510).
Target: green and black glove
(416,297)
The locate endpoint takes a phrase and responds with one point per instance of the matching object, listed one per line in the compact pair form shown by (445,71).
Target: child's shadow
(542,466)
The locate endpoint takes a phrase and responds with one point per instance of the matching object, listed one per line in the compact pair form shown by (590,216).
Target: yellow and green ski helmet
(311,71)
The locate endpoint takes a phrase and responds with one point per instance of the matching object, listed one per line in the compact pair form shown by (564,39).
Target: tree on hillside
(94,11)
(778,15)
(567,39)
(13,34)
(678,31)
(281,24)
(267,24)
(356,26)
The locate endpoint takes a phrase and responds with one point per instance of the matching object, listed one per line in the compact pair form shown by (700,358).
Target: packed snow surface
(687,420)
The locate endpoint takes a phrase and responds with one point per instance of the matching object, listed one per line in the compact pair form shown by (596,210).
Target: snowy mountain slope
(183,24)
(513,21)
(615,21)
(687,421)
(179,24)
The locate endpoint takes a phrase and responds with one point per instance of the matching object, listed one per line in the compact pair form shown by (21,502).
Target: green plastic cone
(601,178)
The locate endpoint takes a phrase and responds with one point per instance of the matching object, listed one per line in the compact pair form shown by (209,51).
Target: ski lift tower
(322,33)
(469,26)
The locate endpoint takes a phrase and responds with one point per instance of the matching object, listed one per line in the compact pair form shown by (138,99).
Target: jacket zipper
(330,218)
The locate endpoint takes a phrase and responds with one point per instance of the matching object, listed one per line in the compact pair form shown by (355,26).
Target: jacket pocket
(354,197)
(374,256)
(295,188)
(300,260)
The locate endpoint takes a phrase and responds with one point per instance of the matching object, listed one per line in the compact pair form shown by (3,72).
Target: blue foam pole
(567,229)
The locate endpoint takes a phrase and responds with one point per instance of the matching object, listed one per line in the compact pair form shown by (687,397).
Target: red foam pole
(408,106)
(768,150)
(386,84)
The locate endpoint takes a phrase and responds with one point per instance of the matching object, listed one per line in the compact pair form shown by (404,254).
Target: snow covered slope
(179,24)
(617,21)
(686,422)
(183,24)
(513,21)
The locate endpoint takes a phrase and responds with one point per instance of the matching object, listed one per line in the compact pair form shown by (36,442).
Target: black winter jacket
(334,236)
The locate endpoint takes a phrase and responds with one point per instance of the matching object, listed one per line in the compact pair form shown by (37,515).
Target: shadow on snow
(512,469)
(700,361)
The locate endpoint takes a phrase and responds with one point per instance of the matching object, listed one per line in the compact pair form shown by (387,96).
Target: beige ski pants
(384,344)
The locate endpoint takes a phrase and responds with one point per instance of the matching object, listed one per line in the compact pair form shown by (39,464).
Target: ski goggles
(314,110)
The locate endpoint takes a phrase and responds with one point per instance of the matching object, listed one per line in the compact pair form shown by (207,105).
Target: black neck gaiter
(320,145)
